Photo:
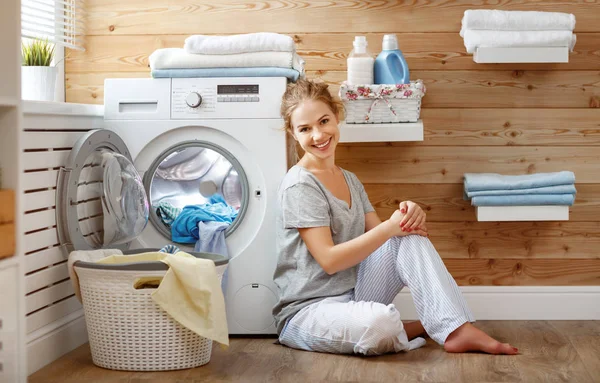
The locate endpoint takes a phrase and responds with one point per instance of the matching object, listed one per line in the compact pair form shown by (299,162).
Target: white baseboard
(60,338)
(521,302)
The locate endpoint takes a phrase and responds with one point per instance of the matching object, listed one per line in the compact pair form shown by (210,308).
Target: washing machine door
(100,201)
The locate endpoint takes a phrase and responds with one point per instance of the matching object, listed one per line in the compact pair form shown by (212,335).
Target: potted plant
(38,78)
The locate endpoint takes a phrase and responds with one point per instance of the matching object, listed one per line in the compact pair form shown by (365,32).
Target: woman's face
(315,127)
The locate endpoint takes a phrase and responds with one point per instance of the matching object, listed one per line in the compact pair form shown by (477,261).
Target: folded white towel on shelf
(480,38)
(517,20)
(178,58)
(250,42)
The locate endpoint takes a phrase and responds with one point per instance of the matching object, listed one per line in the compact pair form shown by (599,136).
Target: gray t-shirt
(305,202)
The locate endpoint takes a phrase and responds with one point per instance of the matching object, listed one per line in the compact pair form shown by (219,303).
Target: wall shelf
(522,213)
(62,108)
(488,55)
(8,101)
(5,263)
(406,131)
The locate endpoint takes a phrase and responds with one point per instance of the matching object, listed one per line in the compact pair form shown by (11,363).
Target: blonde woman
(339,266)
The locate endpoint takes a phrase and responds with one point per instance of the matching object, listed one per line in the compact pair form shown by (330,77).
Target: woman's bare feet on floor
(469,338)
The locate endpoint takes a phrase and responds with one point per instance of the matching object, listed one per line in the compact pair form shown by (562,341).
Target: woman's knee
(416,245)
(421,240)
(396,241)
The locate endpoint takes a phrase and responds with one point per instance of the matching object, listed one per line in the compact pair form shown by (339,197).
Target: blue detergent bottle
(390,66)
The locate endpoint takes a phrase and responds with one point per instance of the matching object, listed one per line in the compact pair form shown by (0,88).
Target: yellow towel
(190,292)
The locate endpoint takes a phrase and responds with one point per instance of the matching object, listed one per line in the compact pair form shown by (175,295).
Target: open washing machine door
(100,201)
(103,202)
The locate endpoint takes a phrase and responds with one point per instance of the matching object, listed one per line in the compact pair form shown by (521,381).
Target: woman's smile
(324,145)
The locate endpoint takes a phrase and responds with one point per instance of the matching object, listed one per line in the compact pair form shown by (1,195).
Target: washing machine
(170,143)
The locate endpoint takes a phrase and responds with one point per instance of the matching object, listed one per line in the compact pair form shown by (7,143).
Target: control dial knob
(193,99)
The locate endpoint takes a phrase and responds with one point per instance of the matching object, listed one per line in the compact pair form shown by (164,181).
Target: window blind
(58,21)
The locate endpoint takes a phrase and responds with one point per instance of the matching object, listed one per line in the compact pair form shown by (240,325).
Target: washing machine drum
(101,200)
(190,175)
(195,173)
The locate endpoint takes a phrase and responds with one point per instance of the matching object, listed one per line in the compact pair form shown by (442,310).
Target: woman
(340,266)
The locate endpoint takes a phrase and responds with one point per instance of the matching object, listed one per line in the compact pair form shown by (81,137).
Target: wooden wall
(506,118)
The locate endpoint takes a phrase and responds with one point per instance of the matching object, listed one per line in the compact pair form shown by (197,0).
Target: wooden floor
(550,351)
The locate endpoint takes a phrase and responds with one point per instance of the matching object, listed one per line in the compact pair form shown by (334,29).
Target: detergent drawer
(137,99)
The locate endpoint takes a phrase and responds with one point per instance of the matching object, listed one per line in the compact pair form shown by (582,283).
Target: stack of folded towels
(493,28)
(490,189)
(262,54)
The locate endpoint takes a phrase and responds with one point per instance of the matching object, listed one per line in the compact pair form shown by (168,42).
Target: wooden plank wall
(507,118)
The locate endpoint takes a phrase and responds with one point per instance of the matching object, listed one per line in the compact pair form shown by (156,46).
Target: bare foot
(469,338)
(414,329)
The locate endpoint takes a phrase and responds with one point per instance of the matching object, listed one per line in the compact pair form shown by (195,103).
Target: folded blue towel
(291,74)
(523,200)
(185,227)
(493,181)
(558,189)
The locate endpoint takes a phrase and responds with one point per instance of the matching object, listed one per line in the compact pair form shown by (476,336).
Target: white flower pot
(38,82)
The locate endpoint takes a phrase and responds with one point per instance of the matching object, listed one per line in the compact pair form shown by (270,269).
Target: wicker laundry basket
(127,330)
(379,104)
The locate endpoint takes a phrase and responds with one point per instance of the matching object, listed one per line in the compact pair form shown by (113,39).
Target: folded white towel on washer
(178,58)
(245,43)
(517,20)
(480,38)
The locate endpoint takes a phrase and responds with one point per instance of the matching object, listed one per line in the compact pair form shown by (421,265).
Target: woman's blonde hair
(304,90)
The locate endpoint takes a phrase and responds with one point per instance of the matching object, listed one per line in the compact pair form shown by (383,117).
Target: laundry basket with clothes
(150,310)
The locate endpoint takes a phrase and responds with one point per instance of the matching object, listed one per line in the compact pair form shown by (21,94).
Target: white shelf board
(523,213)
(488,55)
(5,263)
(8,101)
(62,108)
(403,131)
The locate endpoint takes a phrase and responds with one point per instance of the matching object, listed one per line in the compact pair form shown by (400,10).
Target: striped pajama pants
(365,321)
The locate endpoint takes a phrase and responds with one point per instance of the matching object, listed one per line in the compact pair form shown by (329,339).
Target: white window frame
(59,50)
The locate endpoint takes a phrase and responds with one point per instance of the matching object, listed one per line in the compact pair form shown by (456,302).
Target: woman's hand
(396,230)
(414,218)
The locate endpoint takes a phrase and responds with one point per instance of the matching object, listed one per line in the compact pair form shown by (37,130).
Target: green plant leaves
(37,53)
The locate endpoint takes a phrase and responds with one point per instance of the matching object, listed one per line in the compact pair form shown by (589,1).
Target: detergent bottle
(390,66)
(360,63)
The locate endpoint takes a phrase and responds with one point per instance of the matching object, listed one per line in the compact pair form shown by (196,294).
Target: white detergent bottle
(360,63)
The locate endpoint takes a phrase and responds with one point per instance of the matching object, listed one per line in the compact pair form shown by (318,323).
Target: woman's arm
(333,258)
(371,220)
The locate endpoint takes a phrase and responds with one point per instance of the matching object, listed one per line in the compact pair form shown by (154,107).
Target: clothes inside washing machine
(198,182)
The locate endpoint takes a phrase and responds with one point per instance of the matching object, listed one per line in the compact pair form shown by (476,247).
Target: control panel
(194,96)
(236,97)
(238,93)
